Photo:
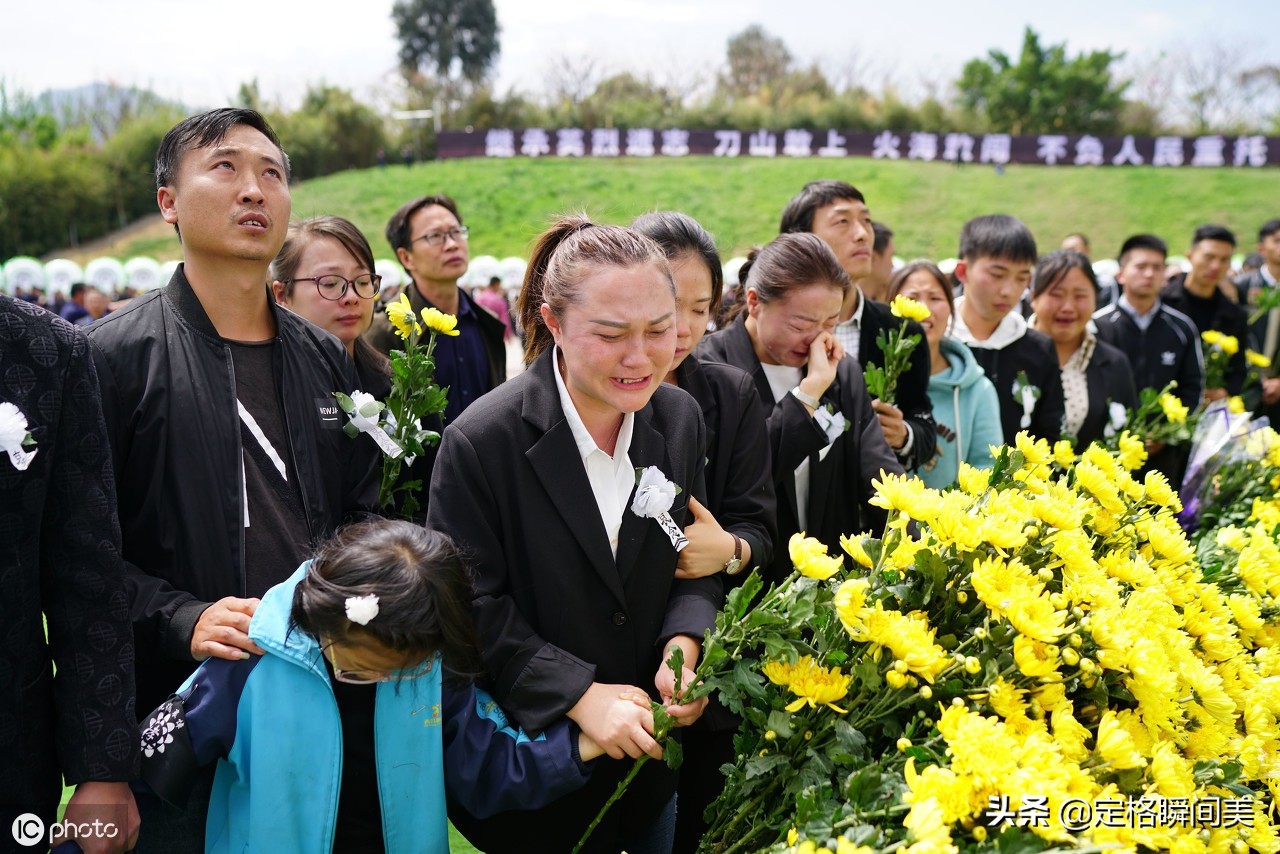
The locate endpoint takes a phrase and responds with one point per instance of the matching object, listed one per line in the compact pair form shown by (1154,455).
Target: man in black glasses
(230,459)
(430,241)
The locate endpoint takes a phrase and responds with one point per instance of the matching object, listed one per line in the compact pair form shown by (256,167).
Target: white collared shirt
(782,379)
(849,332)
(1143,321)
(611,478)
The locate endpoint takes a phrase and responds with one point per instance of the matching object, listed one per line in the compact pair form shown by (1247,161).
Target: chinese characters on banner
(996,149)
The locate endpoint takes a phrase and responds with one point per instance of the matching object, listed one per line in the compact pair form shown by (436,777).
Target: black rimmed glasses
(334,287)
(437,238)
(375,677)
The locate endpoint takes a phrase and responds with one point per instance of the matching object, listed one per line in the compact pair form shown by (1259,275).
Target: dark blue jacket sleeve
(193,727)
(490,766)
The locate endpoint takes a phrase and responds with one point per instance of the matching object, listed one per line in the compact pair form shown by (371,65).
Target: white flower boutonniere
(15,438)
(654,496)
(1117,415)
(833,423)
(362,609)
(364,410)
(1027,395)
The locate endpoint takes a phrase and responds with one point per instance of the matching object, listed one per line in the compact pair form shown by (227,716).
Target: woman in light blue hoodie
(964,400)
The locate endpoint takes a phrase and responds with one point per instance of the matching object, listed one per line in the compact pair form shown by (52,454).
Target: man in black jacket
(61,559)
(837,212)
(230,459)
(430,241)
(997,254)
(1161,342)
(1197,295)
(1265,331)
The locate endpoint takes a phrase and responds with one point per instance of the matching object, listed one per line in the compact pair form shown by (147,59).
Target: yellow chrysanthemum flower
(908,637)
(929,829)
(1211,337)
(1229,345)
(1173,409)
(1256,359)
(811,559)
(1172,774)
(1099,486)
(1133,451)
(437,321)
(1159,492)
(1069,734)
(1235,404)
(1116,746)
(1036,451)
(815,685)
(1035,659)
(973,481)
(905,307)
(1063,454)
(850,603)
(402,318)
(853,548)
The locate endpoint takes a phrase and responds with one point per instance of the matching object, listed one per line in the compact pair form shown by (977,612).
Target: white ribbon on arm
(654,497)
(13,430)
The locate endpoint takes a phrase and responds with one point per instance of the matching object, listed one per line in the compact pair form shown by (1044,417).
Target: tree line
(71,175)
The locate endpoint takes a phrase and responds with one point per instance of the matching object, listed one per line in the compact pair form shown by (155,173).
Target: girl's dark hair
(679,235)
(422,584)
(568,252)
(905,272)
(1053,267)
(296,240)
(790,261)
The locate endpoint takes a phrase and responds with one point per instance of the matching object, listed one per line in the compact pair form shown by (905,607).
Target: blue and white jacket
(272,724)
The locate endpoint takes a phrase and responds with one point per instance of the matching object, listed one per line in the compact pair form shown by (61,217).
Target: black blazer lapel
(557,463)
(648,448)
(821,471)
(694,381)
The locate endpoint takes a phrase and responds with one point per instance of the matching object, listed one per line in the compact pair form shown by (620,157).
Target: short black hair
(1142,241)
(1213,232)
(423,585)
(1269,228)
(77,289)
(797,216)
(204,130)
(398,225)
(997,236)
(1054,266)
(679,234)
(883,234)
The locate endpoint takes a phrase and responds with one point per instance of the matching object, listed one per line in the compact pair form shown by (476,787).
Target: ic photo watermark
(29,831)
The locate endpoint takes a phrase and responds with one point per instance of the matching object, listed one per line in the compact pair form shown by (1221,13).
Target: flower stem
(617,793)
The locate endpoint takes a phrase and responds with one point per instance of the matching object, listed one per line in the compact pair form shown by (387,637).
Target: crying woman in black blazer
(574,614)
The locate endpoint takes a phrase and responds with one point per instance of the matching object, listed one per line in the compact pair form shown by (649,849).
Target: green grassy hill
(507,202)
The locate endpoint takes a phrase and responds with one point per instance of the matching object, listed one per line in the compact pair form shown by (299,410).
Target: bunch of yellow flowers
(1038,658)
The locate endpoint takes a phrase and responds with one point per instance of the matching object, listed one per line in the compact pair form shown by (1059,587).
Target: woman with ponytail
(577,601)
(826,442)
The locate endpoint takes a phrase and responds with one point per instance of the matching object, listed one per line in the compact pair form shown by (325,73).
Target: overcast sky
(200,52)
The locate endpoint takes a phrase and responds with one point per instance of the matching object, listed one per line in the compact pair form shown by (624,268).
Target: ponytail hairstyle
(789,262)
(422,584)
(680,235)
(572,249)
(300,234)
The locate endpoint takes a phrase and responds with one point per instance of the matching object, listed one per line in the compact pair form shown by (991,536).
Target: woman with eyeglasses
(360,717)
(325,273)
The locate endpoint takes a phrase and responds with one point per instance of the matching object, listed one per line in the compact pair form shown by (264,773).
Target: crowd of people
(205,539)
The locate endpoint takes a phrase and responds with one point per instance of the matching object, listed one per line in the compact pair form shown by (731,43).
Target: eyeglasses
(437,238)
(334,287)
(374,677)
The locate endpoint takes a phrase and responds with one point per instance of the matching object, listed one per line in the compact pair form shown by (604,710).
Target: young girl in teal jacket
(348,734)
(965,405)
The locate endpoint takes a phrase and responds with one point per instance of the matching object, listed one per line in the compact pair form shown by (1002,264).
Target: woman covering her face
(1097,380)
(577,599)
(826,443)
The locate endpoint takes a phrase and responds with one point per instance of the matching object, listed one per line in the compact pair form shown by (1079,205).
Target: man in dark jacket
(230,459)
(1162,343)
(997,254)
(61,559)
(837,212)
(1197,295)
(1265,331)
(430,241)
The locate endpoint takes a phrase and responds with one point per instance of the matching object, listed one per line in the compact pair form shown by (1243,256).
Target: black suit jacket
(839,485)
(739,473)
(1033,355)
(913,386)
(1110,380)
(1218,313)
(554,609)
(60,558)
